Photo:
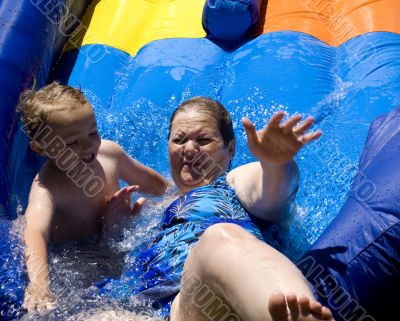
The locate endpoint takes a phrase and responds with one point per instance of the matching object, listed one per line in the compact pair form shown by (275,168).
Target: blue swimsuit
(157,265)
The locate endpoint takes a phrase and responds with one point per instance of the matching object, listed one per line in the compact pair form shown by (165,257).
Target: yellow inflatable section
(130,24)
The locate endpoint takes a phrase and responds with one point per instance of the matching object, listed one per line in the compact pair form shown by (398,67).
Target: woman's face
(196,149)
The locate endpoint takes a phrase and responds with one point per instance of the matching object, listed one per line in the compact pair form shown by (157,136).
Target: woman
(201,147)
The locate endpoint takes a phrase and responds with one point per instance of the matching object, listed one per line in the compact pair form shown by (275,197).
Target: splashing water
(326,172)
(75,268)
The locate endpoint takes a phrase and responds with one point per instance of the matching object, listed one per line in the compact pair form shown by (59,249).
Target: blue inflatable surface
(228,22)
(32,35)
(355,265)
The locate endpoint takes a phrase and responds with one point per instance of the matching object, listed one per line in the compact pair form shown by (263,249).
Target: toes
(326,314)
(277,307)
(316,308)
(291,308)
(304,303)
(293,305)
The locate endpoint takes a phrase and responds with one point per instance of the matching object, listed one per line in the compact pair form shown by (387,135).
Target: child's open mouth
(89,159)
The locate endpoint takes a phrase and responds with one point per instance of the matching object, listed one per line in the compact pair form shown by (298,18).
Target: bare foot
(292,308)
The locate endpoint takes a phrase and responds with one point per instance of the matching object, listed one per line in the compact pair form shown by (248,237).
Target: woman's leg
(230,275)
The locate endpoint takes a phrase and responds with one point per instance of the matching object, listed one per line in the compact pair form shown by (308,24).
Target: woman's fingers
(290,123)
(250,131)
(278,142)
(301,128)
(305,139)
(276,119)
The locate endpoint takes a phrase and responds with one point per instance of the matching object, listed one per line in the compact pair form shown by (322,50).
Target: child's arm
(135,173)
(38,221)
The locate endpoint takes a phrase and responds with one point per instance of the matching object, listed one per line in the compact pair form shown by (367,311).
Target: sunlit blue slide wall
(32,34)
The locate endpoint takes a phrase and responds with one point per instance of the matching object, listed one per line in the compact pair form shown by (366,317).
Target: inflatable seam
(384,231)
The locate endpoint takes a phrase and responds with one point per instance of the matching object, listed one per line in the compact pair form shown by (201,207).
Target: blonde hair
(36,107)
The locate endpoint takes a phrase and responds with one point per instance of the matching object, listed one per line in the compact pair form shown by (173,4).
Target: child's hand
(120,205)
(278,143)
(38,299)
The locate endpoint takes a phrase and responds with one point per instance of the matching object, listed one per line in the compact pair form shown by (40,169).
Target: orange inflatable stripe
(332,21)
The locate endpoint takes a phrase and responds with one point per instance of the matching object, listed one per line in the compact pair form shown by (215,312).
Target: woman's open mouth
(190,176)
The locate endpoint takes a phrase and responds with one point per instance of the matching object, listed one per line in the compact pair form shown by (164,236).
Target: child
(76,193)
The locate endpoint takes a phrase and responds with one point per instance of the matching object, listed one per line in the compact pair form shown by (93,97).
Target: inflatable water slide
(136,60)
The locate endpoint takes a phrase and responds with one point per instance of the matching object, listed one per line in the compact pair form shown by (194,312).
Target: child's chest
(77,217)
(80,204)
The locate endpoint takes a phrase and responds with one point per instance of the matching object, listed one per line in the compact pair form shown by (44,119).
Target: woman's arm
(266,187)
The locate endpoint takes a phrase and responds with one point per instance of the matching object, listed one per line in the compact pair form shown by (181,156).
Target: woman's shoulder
(230,178)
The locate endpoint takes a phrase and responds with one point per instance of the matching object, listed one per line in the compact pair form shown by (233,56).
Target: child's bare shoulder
(109,148)
(48,186)
(41,203)
(39,187)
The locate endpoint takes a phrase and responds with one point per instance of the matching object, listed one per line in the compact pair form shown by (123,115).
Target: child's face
(77,128)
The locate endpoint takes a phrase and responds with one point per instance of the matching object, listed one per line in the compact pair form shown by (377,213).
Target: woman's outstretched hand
(278,143)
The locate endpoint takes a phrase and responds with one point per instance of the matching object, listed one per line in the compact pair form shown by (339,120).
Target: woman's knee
(222,234)
(218,243)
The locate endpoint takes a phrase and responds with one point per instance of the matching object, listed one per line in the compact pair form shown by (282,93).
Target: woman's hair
(214,109)
(36,107)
